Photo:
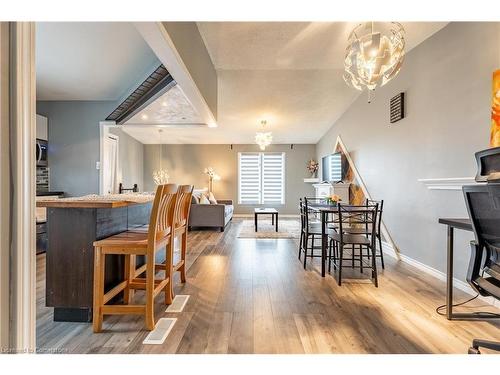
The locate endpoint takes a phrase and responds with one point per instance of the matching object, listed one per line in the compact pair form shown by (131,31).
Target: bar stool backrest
(183,206)
(351,215)
(380,210)
(302,214)
(306,210)
(162,214)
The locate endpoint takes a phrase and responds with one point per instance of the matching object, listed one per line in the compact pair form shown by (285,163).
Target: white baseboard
(459,284)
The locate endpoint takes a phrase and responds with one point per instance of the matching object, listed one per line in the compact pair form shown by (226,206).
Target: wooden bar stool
(132,243)
(180,222)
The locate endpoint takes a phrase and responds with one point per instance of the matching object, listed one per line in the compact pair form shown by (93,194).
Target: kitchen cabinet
(42,127)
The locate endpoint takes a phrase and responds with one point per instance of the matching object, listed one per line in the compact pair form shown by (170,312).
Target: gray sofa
(211,215)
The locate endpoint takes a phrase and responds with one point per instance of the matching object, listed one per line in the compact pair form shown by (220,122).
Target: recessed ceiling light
(144,116)
(212,125)
(164,104)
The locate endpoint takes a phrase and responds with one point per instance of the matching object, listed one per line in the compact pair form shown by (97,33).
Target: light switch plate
(97,165)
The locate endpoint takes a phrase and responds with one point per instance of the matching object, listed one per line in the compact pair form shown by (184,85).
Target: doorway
(109,164)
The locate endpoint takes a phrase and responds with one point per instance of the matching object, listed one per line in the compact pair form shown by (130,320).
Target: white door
(109,164)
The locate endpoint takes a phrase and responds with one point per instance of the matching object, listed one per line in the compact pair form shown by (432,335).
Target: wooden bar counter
(73,225)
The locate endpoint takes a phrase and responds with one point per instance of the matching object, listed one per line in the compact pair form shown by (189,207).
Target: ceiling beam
(178,45)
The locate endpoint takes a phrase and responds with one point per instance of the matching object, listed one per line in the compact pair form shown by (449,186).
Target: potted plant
(333,199)
(312,167)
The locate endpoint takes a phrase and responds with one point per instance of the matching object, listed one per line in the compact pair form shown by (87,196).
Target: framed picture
(495,110)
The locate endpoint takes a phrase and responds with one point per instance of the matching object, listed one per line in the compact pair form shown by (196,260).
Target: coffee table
(267,211)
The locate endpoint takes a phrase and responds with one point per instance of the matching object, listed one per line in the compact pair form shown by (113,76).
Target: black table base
(274,219)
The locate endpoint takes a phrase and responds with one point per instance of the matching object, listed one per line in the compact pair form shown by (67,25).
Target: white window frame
(261,172)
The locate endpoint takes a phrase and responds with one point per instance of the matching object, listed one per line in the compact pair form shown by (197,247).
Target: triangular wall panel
(357,190)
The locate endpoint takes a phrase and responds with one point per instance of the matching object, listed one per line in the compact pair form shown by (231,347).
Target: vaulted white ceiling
(289,73)
(90,60)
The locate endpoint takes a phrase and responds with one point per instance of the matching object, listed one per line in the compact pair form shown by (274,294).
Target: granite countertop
(97,201)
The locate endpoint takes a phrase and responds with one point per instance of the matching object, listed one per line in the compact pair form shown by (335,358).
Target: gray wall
(186,163)
(447,82)
(74,143)
(131,159)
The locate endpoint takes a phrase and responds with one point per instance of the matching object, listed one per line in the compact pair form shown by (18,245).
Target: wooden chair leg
(130,264)
(169,259)
(183,256)
(150,279)
(99,266)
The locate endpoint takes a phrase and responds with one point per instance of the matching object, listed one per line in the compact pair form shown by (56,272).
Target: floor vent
(158,335)
(178,304)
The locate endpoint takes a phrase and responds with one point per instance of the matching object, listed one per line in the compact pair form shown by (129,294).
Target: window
(261,178)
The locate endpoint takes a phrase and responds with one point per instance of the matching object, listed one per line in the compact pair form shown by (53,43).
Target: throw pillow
(211,198)
(204,199)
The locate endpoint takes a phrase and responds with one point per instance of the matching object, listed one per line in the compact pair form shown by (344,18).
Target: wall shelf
(447,183)
(311,180)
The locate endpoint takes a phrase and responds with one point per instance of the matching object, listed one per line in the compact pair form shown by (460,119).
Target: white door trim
(22,141)
(5,189)
(104,127)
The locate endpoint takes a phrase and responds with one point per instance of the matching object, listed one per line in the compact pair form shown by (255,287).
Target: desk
(463,224)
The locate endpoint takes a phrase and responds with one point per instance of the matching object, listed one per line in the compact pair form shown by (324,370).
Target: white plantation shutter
(261,178)
(249,178)
(273,171)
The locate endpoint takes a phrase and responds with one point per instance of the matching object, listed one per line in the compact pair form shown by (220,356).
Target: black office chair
(483,205)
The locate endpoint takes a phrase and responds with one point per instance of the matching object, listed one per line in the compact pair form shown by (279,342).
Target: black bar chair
(310,229)
(351,216)
(366,230)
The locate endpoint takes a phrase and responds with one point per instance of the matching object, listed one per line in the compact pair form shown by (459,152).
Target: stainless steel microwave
(41,153)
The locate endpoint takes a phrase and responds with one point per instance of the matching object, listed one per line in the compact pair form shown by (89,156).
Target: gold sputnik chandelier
(374,55)
(263,138)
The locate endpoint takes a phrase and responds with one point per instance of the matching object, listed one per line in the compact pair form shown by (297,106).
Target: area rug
(287,228)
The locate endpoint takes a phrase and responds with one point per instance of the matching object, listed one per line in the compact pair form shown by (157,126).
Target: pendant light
(374,55)
(160,176)
(263,138)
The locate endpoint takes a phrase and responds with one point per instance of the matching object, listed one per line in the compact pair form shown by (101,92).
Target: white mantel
(325,189)
(447,183)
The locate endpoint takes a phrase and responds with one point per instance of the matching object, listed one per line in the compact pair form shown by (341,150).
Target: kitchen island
(73,224)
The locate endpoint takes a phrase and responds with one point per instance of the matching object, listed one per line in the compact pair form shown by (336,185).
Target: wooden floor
(253,296)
